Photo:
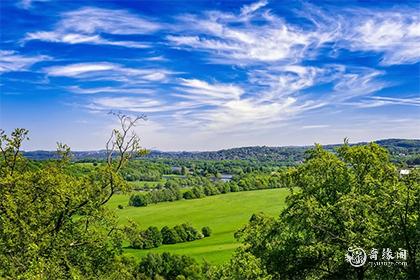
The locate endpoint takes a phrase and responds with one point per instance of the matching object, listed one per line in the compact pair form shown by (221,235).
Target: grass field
(223,213)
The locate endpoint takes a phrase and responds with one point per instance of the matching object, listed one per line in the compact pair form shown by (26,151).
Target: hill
(401,150)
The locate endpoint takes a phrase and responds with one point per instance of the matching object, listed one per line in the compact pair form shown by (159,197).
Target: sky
(210,74)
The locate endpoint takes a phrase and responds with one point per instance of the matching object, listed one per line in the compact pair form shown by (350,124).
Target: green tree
(188,195)
(169,236)
(138,200)
(206,231)
(351,198)
(242,266)
(152,237)
(54,224)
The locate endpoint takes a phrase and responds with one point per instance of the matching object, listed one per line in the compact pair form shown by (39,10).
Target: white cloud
(137,104)
(377,101)
(27,4)
(11,61)
(75,70)
(317,126)
(85,26)
(201,89)
(107,71)
(358,82)
(395,34)
(248,9)
(74,38)
(249,37)
(117,90)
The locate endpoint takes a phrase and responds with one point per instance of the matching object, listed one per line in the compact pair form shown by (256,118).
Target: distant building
(404,172)
(226,177)
(176,169)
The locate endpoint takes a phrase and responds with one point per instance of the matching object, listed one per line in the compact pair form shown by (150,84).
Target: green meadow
(224,214)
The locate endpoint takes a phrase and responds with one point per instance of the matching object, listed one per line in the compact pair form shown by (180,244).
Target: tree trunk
(360,273)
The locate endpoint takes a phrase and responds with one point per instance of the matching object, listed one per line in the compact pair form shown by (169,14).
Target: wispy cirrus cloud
(27,4)
(86,26)
(107,71)
(137,104)
(396,34)
(246,69)
(255,34)
(378,101)
(120,90)
(11,61)
(249,9)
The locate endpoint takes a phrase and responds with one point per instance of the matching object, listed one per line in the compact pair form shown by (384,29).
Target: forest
(57,220)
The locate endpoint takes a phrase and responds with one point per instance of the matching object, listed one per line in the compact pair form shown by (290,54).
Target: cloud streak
(86,26)
(107,71)
(11,61)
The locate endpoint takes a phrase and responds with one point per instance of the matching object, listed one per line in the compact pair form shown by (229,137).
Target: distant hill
(402,150)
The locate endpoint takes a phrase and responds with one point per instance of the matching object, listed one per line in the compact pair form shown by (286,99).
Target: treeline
(156,169)
(152,237)
(141,170)
(203,187)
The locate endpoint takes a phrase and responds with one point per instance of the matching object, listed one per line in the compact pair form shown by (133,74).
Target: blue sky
(211,74)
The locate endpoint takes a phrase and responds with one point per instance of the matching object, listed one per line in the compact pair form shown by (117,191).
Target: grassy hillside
(223,213)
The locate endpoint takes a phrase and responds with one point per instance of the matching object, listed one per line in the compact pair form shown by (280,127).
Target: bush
(169,266)
(152,238)
(234,188)
(188,195)
(169,236)
(206,231)
(120,206)
(138,200)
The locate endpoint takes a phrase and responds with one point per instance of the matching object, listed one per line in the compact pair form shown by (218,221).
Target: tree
(152,238)
(169,267)
(351,198)
(138,200)
(242,266)
(133,234)
(188,195)
(206,231)
(169,236)
(54,224)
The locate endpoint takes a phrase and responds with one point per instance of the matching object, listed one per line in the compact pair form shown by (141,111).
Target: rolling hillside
(401,150)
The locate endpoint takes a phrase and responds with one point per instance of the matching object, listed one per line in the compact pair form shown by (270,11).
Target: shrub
(138,200)
(169,266)
(206,231)
(192,233)
(152,238)
(188,195)
(180,231)
(169,236)
(234,188)
(120,206)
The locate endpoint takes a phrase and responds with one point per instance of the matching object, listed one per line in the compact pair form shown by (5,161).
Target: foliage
(54,224)
(138,200)
(169,267)
(353,198)
(242,266)
(152,237)
(206,231)
(198,187)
